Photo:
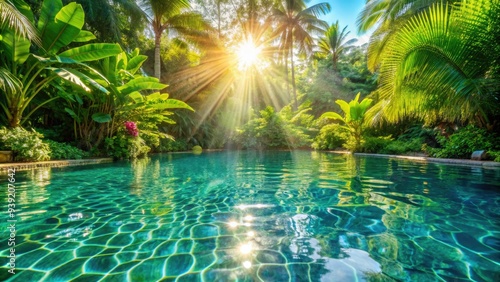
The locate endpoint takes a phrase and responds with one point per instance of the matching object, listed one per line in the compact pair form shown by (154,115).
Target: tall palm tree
(296,25)
(333,43)
(171,15)
(444,65)
(388,17)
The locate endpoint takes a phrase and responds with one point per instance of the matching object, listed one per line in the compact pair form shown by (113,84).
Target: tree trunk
(334,62)
(294,88)
(15,119)
(287,78)
(157,63)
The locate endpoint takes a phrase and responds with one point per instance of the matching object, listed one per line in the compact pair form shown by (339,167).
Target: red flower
(131,128)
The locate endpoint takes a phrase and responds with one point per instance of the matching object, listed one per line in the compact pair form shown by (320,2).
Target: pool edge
(485,164)
(4,167)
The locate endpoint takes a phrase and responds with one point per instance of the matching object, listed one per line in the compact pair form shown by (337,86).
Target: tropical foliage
(442,65)
(465,141)
(64,151)
(27,145)
(331,137)
(296,27)
(334,43)
(271,129)
(246,67)
(171,16)
(113,21)
(129,98)
(18,22)
(26,74)
(353,119)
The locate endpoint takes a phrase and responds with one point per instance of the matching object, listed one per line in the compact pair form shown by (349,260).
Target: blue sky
(346,12)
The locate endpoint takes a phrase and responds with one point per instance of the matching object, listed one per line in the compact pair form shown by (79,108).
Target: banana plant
(25,74)
(130,98)
(354,115)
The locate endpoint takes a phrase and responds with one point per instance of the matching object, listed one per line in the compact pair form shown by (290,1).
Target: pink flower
(131,128)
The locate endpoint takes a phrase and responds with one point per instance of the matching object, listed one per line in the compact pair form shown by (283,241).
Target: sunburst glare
(248,53)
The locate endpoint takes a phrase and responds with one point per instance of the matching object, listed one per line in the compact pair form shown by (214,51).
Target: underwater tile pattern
(256,216)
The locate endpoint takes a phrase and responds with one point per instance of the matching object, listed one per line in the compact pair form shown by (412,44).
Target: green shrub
(117,147)
(398,147)
(63,151)
(271,129)
(386,145)
(26,145)
(126,147)
(197,148)
(494,155)
(55,133)
(138,148)
(465,141)
(168,145)
(330,137)
(375,144)
(352,144)
(152,139)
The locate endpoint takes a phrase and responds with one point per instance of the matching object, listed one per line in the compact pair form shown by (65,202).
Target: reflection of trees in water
(156,192)
(140,169)
(31,186)
(337,254)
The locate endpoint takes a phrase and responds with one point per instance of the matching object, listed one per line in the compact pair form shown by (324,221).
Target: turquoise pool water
(250,216)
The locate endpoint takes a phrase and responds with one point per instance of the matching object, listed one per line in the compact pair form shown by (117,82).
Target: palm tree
(171,15)
(388,16)
(16,21)
(333,43)
(444,65)
(12,18)
(296,25)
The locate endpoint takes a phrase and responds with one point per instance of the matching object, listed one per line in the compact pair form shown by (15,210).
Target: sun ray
(248,53)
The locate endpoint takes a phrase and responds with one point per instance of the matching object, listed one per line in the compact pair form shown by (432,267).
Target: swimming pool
(256,216)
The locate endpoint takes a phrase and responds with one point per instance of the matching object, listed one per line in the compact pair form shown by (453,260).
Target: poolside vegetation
(123,79)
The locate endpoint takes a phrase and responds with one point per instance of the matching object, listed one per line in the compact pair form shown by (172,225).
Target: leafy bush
(494,155)
(353,119)
(117,147)
(26,145)
(271,129)
(151,138)
(63,151)
(138,148)
(398,147)
(375,144)
(465,141)
(168,145)
(124,147)
(330,137)
(386,145)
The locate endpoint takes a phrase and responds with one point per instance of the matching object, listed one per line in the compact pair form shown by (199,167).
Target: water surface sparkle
(250,216)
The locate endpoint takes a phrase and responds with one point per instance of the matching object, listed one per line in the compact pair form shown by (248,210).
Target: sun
(248,53)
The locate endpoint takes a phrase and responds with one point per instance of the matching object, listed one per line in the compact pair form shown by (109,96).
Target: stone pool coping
(486,164)
(61,163)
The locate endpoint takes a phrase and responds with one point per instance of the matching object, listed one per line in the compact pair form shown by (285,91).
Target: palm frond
(435,63)
(12,18)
